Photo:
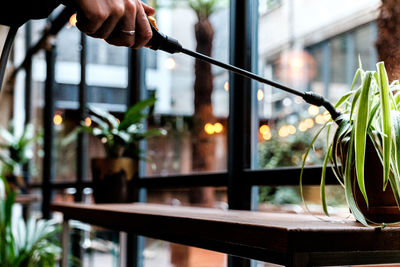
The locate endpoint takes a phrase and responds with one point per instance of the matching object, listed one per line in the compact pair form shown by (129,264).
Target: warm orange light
(170,63)
(260,95)
(57,119)
(209,128)
(226,86)
(267,136)
(264,129)
(309,123)
(218,127)
(323,118)
(302,127)
(88,121)
(118,121)
(284,131)
(313,110)
(291,129)
(73,20)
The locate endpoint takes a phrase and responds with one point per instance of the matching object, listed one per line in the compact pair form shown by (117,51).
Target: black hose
(6,52)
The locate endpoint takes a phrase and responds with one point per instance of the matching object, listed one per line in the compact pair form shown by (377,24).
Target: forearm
(17,12)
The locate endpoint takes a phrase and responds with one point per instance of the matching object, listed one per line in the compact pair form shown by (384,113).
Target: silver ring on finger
(130,33)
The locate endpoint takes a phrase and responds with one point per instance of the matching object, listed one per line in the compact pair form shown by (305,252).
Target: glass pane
(165,254)
(318,54)
(192,102)
(315,47)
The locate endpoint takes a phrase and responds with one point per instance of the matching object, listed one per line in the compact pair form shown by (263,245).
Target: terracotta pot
(382,204)
(113,179)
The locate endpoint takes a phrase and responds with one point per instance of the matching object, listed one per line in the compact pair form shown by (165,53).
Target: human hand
(118,22)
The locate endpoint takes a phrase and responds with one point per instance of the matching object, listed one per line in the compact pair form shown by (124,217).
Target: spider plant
(24,244)
(16,149)
(371,110)
(121,138)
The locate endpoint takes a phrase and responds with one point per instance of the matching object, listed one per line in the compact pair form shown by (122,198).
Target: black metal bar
(27,104)
(285,176)
(239,132)
(239,108)
(276,177)
(48,111)
(82,146)
(289,176)
(135,84)
(28,73)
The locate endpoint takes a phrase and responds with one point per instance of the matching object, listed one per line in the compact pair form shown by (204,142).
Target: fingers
(148,9)
(99,18)
(143,29)
(108,19)
(127,23)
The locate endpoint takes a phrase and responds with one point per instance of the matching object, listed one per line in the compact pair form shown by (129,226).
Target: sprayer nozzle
(160,41)
(317,100)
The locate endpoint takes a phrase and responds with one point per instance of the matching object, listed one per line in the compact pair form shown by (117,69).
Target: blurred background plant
(16,149)
(25,244)
(121,138)
(285,152)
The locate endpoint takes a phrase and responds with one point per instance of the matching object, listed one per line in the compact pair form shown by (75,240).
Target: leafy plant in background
(121,139)
(16,149)
(279,152)
(370,111)
(25,244)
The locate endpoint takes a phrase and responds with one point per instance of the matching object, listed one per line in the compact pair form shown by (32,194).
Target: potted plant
(113,175)
(15,151)
(365,148)
(25,244)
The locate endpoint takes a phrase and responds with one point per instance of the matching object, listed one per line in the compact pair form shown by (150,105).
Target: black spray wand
(165,43)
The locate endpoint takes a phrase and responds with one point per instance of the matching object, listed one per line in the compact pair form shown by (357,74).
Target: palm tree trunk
(203,145)
(388,40)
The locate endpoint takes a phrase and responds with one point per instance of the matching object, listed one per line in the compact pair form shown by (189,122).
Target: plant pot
(17,183)
(113,179)
(382,204)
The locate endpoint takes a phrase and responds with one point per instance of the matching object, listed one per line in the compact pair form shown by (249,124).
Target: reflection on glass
(192,96)
(319,55)
(307,45)
(161,253)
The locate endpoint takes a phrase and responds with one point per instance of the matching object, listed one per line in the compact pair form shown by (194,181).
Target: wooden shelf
(288,239)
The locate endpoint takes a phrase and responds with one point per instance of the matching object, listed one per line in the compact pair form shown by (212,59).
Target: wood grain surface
(273,237)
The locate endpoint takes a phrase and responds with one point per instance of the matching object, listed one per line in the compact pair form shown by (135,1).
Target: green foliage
(285,152)
(370,111)
(279,195)
(279,152)
(16,150)
(25,244)
(203,8)
(121,138)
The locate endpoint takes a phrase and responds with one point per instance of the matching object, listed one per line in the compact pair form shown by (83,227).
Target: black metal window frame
(243,122)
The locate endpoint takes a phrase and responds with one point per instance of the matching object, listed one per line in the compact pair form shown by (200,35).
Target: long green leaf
(304,162)
(322,185)
(348,185)
(134,113)
(386,121)
(361,133)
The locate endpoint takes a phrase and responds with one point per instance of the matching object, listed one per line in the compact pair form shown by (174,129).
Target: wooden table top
(273,237)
